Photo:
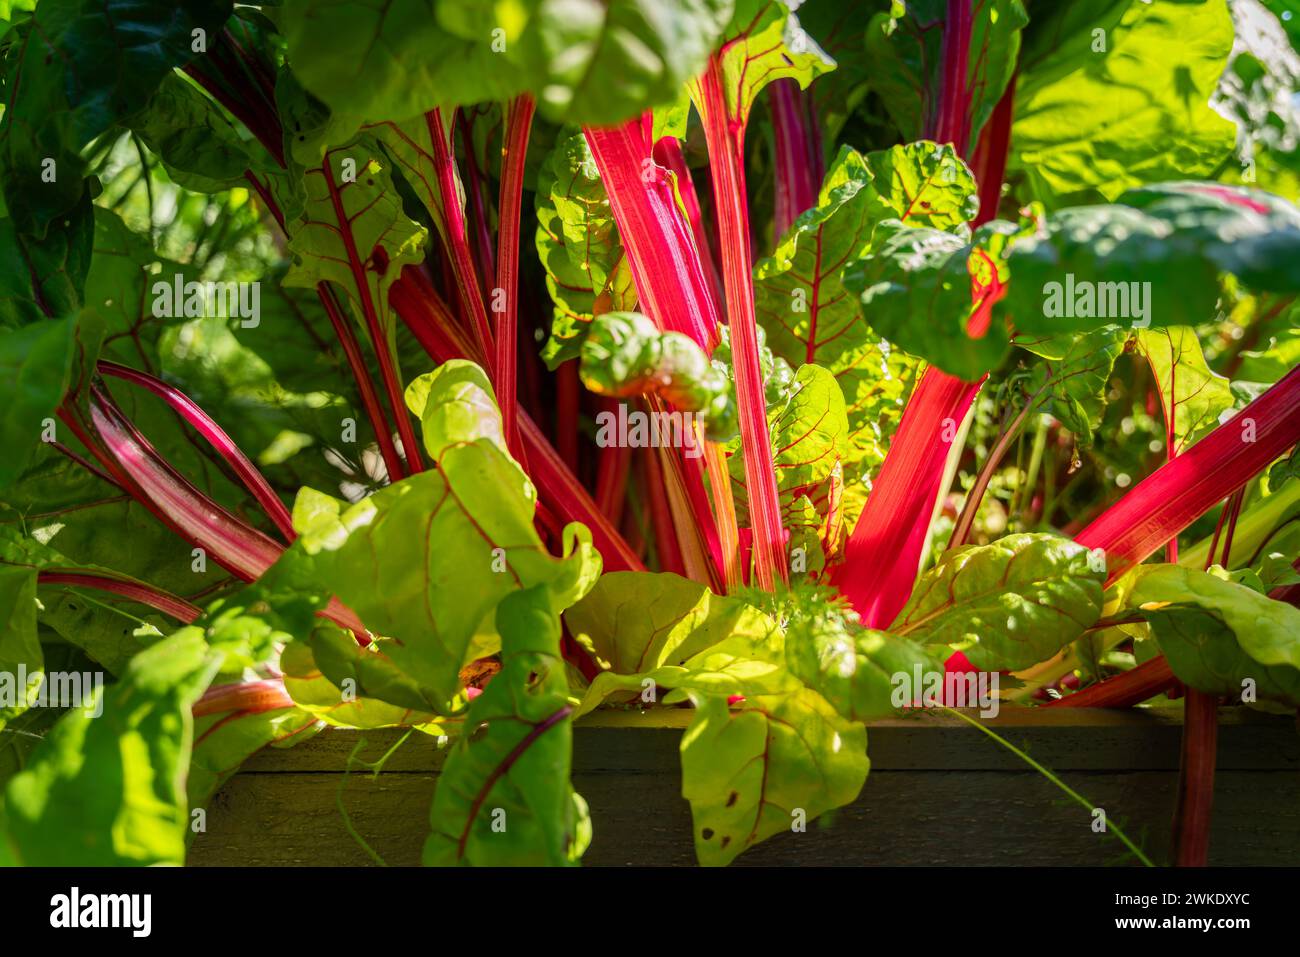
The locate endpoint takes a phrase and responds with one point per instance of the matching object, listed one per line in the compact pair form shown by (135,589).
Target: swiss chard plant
(468,367)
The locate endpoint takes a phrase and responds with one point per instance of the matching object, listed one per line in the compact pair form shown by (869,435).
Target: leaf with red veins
(224,740)
(134,291)
(803,305)
(809,435)
(915,62)
(1192,395)
(772,762)
(353,231)
(504,795)
(423,562)
(765,42)
(410,148)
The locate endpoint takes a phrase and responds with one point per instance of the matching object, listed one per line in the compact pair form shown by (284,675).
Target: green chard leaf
(1007,605)
(625,354)
(42,279)
(79,68)
(20,648)
(764,42)
(800,297)
(1115,95)
(851,667)
(635,622)
(1152,260)
(600,63)
(200,149)
(590,63)
(109,789)
(926,292)
(426,560)
(353,231)
(317,670)
(1073,379)
(1218,634)
(1192,396)
(906,48)
(40,364)
(504,796)
(772,763)
(226,737)
(579,246)
(809,433)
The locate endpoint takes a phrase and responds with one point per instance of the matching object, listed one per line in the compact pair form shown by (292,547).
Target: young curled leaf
(625,354)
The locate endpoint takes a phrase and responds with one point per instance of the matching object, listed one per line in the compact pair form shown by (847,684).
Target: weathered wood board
(939,792)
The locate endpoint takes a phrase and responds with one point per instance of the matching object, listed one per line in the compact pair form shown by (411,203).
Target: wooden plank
(1063,739)
(940,792)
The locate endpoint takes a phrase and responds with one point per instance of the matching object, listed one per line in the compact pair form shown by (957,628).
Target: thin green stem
(1075,795)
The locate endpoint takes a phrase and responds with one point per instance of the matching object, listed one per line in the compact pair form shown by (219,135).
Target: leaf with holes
(774,762)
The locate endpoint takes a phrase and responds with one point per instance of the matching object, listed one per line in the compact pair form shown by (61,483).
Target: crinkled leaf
(317,672)
(586,62)
(599,63)
(1007,605)
(799,294)
(424,561)
(353,231)
(625,354)
(810,433)
(579,246)
(918,289)
(1073,379)
(854,669)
